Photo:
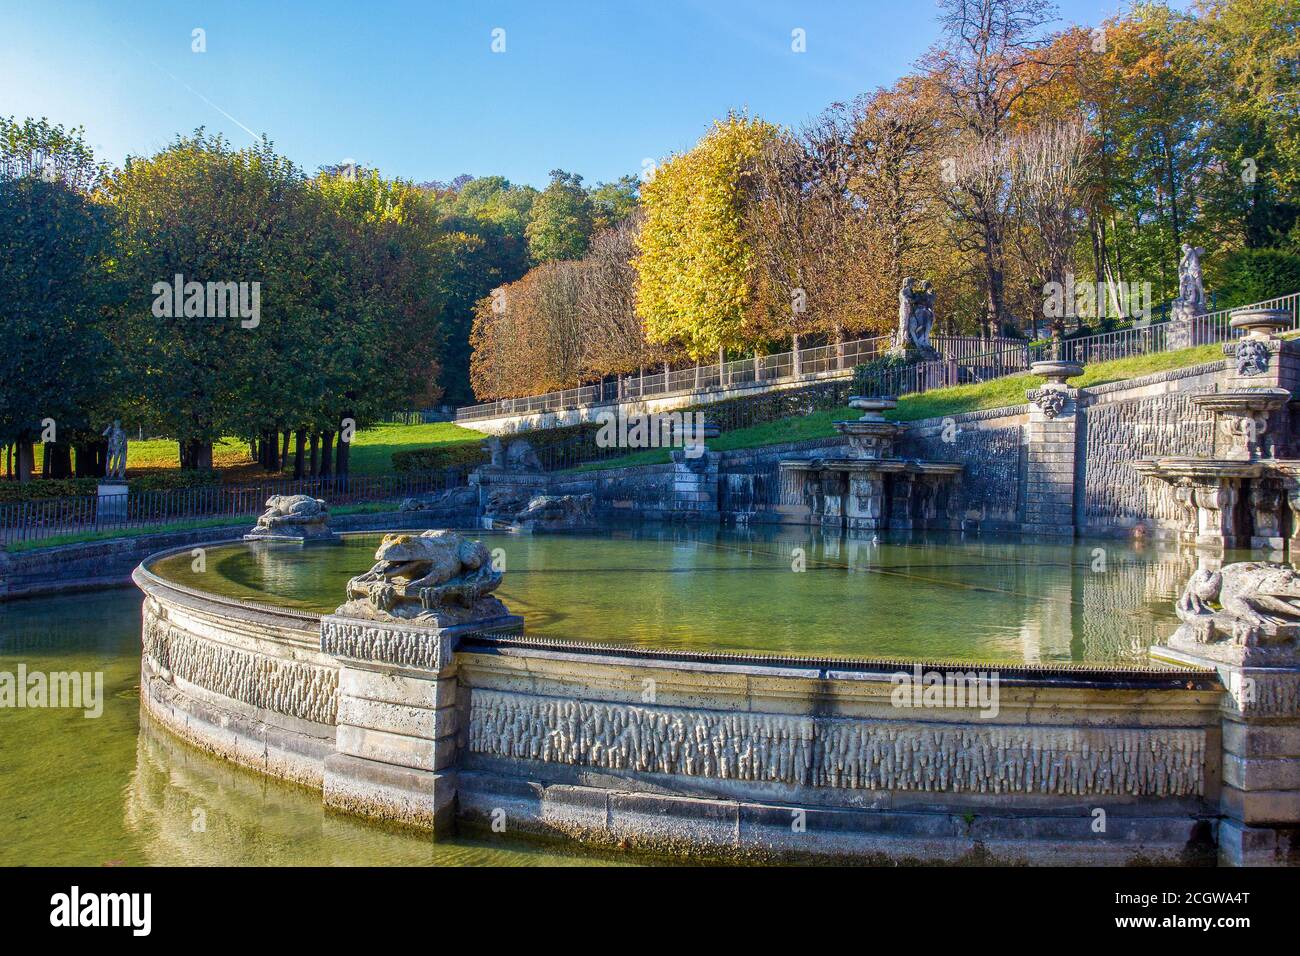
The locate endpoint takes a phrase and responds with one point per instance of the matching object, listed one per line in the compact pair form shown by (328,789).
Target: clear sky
(415,89)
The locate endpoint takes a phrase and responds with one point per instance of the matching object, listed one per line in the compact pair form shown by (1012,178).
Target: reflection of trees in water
(251,820)
(1065,610)
(1129,606)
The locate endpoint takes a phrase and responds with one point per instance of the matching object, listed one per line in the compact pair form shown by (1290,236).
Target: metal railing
(964,358)
(778,368)
(47,517)
(1015,359)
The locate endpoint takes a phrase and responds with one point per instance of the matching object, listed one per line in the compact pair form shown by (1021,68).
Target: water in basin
(778,591)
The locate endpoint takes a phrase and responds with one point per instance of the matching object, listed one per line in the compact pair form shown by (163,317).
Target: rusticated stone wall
(283,685)
(989,445)
(1115,434)
(835,752)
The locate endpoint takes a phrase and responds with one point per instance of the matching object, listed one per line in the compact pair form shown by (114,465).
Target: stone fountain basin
(890,466)
(1178,466)
(1056,369)
(1261,320)
(1244,400)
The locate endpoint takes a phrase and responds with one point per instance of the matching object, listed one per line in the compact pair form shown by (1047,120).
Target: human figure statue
(922,316)
(1191,288)
(115,465)
(906,302)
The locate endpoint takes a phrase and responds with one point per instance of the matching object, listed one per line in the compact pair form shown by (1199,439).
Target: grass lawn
(997,393)
(372,450)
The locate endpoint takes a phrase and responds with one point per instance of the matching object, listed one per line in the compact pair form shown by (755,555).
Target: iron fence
(48,517)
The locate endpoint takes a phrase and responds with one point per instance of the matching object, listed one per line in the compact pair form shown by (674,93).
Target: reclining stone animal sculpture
(438,577)
(556,513)
(292,516)
(1257,617)
(453,498)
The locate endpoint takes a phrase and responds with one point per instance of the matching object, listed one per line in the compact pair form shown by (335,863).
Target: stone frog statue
(438,576)
(1257,614)
(292,516)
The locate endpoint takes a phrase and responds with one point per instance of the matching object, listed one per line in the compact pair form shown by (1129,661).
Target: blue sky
(415,89)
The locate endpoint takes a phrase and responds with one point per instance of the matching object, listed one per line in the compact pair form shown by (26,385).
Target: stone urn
(1261,323)
(1056,371)
(871,436)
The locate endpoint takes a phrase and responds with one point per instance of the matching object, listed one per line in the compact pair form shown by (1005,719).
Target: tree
(561,221)
(614,339)
(614,203)
(54,243)
(483,221)
(992,57)
(693,264)
(896,181)
(1050,180)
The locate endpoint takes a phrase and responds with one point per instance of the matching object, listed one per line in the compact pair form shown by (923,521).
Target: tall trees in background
(345,270)
(53,287)
(694,264)
(992,55)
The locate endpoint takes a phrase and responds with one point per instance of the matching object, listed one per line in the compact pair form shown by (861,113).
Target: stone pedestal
(864,507)
(1260,795)
(1243,620)
(1186,327)
(396,743)
(1053,420)
(112,501)
(695,483)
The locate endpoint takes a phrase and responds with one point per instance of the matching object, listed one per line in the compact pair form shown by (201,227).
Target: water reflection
(186,808)
(786,589)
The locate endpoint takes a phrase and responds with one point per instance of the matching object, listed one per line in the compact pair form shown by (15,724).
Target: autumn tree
(693,264)
(994,53)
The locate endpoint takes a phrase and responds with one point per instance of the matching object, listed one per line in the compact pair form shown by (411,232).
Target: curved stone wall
(712,755)
(246,683)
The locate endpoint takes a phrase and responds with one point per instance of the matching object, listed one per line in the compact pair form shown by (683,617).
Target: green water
(106,790)
(80,791)
(778,590)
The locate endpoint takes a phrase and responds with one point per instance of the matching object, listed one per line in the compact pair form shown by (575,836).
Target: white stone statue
(905,305)
(1245,612)
(115,463)
(293,516)
(437,577)
(1191,287)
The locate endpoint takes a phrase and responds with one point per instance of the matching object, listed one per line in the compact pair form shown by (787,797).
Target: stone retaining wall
(709,755)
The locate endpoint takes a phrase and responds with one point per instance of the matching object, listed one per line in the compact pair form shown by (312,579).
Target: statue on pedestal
(915,320)
(1191,299)
(115,463)
(1191,287)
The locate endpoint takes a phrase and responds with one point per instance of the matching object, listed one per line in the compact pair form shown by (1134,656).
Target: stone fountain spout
(871,488)
(1244,468)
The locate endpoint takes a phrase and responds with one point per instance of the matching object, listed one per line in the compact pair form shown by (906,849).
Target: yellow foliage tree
(693,265)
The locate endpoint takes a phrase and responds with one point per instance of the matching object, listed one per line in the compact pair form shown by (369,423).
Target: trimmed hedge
(465,455)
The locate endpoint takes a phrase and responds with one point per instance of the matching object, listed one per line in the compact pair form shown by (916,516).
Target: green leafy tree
(612,203)
(561,222)
(54,369)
